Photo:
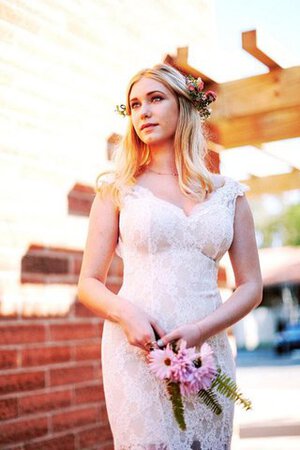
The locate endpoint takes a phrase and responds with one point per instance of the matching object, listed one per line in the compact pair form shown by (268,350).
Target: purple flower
(182,363)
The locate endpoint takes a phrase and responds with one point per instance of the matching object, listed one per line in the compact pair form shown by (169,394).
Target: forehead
(145,85)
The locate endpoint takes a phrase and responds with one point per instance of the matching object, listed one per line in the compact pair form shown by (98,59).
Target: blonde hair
(132,156)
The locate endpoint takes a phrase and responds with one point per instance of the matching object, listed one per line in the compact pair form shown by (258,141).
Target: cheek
(172,120)
(135,124)
(172,115)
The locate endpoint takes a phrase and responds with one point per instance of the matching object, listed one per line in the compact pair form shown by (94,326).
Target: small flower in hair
(200,84)
(211,95)
(121,109)
(198,97)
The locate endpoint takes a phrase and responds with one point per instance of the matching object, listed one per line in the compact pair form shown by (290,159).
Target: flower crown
(200,99)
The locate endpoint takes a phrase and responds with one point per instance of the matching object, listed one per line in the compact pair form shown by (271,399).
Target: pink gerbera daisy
(160,362)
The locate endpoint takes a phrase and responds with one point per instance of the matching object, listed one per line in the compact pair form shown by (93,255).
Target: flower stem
(177,404)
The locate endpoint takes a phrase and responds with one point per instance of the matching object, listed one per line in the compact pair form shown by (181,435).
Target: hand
(139,326)
(190,333)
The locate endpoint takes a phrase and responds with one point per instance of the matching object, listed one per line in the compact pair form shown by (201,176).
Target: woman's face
(151,102)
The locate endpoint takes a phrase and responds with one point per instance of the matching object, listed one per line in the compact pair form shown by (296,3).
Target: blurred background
(65,65)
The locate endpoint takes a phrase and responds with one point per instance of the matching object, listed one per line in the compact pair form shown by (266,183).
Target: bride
(171,221)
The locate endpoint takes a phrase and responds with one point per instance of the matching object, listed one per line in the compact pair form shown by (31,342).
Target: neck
(162,158)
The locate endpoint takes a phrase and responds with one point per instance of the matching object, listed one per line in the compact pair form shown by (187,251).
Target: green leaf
(210,399)
(227,387)
(177,404)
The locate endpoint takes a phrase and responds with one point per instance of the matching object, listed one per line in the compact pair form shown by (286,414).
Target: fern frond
(227,387)
(177,404)
(210,399)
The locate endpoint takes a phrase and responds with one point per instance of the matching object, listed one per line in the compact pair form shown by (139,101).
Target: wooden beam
(277,90)
(258,109)
(251,42)
(180,62)
(273,184)
(255,129)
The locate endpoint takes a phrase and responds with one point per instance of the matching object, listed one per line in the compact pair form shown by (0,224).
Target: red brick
(80,199)
(72,331)
(87,394)
(76,264)
(45,263)
(75,418)
(107,446)
(15,447)
(71,375)
(45,402)
(9,316)
(42,249)
(84,352)
(103,417)
(82,311)
(25,381)
(8,359)
(45,355)
(21,430)
(100,328)
(21,334)
(113,284)
(95,435)
(66,442)
(52,278)
(8,408)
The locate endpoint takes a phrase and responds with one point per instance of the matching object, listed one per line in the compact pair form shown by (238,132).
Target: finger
(157,328)
(167,339)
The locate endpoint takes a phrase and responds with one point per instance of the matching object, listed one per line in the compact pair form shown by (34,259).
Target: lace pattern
(170,270)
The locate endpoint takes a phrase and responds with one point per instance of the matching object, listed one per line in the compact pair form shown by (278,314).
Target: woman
(171,221)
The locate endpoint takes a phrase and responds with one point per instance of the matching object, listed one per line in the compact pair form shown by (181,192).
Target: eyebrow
(149,93)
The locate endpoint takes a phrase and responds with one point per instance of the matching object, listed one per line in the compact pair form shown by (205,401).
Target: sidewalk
(274,421)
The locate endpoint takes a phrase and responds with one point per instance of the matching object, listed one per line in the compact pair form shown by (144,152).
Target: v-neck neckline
(178,208)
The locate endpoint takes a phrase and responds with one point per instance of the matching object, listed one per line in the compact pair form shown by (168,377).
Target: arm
(244,258)
(99,249)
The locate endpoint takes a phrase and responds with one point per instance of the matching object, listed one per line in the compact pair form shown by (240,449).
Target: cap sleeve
(234,189)
(104,178)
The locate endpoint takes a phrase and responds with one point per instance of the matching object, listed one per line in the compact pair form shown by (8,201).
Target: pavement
(272,383)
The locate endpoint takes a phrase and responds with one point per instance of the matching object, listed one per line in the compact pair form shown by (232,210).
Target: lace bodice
(170,271)
(175,228)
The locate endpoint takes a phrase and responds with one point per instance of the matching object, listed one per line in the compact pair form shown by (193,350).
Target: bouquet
(186,372)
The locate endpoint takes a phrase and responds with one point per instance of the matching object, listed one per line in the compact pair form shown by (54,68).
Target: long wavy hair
(132,156)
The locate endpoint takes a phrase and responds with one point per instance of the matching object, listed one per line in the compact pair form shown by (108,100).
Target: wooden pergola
(253,110)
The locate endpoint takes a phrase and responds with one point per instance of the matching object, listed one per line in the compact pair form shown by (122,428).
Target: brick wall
(51,393)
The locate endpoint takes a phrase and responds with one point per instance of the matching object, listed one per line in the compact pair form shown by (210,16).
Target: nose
(145,110)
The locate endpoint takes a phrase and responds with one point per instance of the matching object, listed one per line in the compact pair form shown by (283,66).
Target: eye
(153,98)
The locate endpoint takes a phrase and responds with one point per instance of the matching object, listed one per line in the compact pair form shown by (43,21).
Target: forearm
(245,298)
(99,299)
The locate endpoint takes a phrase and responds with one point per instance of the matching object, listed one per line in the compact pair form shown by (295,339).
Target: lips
(147,125)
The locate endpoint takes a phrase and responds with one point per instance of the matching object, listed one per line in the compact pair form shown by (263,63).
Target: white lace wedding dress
(170,270)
